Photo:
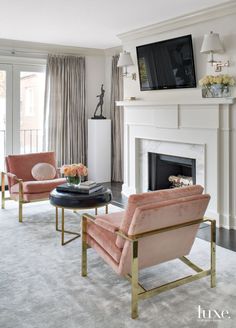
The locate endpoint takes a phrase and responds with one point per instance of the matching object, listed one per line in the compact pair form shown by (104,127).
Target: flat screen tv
(167,64)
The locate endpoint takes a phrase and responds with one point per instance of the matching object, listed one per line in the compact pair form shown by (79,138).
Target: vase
(216,91)
(73,181)
(226,92)
(207,92)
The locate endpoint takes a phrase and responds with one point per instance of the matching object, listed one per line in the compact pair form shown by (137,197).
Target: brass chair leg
(62,226)
(106,209)
(134,280)
(57,229)
(20,211)
(21,197)
(96,211)
(84,248)
(213,253)
(3,189)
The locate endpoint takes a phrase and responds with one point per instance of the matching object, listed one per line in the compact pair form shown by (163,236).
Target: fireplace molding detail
(203,122)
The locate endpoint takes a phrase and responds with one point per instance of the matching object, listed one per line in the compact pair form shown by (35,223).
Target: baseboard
(227,222)
(232,221)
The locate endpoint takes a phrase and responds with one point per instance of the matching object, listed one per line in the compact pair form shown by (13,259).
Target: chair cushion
(152,197)
(105,239)
(43,171)
(111,222)
(21,165)
(35,187)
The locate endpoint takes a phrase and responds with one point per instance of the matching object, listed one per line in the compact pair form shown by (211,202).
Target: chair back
(153,197)
(167,245)
(21,165)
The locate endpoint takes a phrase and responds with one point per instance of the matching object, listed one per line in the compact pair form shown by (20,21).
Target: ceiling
(86,23)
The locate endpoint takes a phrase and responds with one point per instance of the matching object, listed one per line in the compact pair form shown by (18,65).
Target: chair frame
(138,292)
(20,199)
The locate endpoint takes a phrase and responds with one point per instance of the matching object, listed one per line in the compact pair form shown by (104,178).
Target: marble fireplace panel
(144,146)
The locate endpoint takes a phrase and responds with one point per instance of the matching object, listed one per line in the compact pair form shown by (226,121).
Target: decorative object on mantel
(125,60)
(130,98)
(100,104)
(218,86)
(73,173)
(211,44)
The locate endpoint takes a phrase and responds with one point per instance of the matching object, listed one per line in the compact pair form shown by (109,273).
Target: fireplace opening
(165,170)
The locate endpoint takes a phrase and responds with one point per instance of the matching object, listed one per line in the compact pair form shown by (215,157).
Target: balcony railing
(31,141)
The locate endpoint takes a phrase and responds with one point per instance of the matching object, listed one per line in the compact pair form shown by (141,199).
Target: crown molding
(41,50)
(113,51)
(217,11)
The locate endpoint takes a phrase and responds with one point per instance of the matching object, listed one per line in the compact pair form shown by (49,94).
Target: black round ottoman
(77,201)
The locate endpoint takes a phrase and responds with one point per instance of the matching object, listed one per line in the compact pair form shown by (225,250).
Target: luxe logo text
(212,314)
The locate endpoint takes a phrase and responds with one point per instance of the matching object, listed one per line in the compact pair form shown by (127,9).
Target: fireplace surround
(194,128)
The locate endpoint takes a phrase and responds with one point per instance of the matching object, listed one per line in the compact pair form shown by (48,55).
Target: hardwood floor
(224,237)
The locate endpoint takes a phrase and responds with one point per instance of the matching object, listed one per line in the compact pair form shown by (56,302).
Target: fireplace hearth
(162,166)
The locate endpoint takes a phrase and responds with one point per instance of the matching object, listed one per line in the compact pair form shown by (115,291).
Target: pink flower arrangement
(74,170)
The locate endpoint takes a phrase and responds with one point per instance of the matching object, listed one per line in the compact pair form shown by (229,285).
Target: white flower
(208,80)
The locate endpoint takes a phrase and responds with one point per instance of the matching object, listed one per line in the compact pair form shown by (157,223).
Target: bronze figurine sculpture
(100,104)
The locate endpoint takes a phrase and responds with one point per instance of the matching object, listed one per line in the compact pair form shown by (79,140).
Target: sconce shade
(211,43)
(125,60)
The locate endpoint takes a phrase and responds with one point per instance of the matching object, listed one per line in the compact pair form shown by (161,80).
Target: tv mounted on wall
(167,64)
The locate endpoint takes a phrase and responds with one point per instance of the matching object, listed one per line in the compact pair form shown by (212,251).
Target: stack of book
(88,187)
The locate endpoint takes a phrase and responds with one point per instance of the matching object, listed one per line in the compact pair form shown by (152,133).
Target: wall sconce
(211,44)
(125,60)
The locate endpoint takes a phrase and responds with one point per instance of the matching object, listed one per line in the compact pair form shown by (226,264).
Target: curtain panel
(64,110)
(117,121)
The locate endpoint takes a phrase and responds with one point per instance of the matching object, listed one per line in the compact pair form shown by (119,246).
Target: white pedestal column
(99,150)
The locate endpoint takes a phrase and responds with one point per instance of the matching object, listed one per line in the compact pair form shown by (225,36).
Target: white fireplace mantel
(201,101)
(204,122)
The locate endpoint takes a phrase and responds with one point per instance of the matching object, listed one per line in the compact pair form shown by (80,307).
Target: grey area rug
(41,286)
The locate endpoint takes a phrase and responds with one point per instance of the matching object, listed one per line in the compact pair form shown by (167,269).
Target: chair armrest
(107,225)
(86,216)
(102,223)
(123,235)
(12,176)
(58,169)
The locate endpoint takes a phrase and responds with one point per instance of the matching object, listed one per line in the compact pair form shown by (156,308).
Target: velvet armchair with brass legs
(156,227)
(23,188)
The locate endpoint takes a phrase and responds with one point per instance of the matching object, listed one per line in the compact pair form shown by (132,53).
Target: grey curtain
(64,110)
(117,121)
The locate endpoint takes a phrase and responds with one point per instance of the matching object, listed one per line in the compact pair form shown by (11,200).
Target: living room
(99,102)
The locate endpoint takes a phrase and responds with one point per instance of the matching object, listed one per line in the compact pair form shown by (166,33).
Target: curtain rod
(14,52)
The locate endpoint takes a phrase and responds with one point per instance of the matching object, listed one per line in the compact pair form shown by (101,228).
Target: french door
(21,109)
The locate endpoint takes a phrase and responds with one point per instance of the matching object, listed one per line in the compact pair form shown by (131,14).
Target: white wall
(95,77)
(98,71)
(225,26)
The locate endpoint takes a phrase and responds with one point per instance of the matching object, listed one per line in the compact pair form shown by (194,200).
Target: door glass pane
(2,118)
(32,86)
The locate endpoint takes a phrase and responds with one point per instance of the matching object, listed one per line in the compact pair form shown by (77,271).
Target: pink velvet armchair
(156,227)
(22,186)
